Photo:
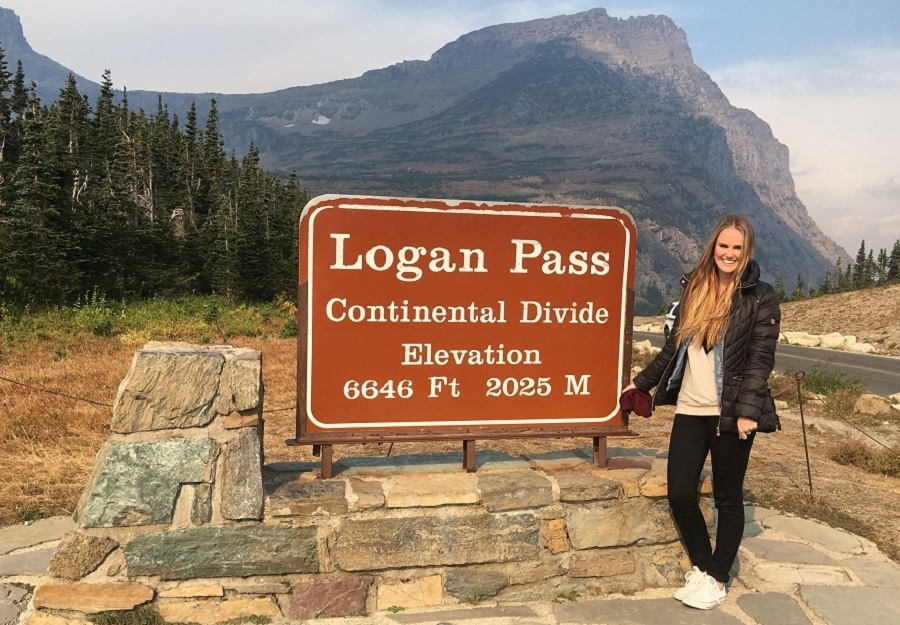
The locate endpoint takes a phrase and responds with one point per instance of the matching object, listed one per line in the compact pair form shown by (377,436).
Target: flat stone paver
(787,574)
(489,460)
(639,612)
(828,537)
(560,460)
(28,563)
(785,551)
(880,573)
(773,608)
(450,462)
(12,600)
(41,531)
(853,605)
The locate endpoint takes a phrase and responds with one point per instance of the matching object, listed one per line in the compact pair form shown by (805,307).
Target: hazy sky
(824,74)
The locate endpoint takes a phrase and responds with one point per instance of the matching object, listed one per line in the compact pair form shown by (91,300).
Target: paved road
(880,374)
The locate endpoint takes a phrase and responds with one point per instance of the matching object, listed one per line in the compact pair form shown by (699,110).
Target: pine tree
(8,134)
(799,288)
(882,266)
(36,245)
(859,269)
(780,293)
(847,281)
(19,98)
(870,272)
(893,274)
(826,287)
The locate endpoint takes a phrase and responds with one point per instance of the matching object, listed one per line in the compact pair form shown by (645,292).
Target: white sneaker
(691,579)
(706,595)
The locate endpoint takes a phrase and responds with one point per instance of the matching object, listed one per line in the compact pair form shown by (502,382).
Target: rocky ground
(872,316)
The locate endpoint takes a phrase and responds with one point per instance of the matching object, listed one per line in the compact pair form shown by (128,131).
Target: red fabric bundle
(637,401)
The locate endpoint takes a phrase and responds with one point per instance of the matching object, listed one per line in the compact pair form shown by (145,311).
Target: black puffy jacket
(748,358)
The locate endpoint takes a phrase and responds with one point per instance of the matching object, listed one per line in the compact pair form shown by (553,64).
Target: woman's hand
(745,427)
(629,387)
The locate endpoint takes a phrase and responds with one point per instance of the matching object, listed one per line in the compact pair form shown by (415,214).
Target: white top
(698,386)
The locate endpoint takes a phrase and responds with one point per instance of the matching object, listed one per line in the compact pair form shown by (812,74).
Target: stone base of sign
(188,518)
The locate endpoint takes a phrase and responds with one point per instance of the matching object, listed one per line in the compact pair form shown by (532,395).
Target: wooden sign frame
(394,295)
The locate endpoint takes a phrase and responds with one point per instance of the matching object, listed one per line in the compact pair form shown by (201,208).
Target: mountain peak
(585,109)
(12,37)
(47,74)
(650,40)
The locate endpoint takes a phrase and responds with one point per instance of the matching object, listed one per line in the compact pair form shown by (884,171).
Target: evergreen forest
(867,272)
(96,198)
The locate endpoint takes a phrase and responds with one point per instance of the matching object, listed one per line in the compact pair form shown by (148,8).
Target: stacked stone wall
(181,512)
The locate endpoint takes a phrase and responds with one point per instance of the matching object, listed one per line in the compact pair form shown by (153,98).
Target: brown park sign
(456,319)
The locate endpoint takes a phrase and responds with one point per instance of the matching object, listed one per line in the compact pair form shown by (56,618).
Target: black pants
(692,439)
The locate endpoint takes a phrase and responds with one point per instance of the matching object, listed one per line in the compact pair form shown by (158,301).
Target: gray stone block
(241,479)
(465,583)
(168,388)
(201,507)
(138,483)
(635,521)
(223,552)
(514,490)
(448,539)
(241,384)
(582,486)
(301,498)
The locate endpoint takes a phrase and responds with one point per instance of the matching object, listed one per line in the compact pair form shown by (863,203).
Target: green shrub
(826,380)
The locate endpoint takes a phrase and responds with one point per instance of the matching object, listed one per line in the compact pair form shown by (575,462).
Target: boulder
(861,348)
(895,401)
(869,404)
(802,339)
(833,340)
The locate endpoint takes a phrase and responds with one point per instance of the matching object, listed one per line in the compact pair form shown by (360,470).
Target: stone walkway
(792,571)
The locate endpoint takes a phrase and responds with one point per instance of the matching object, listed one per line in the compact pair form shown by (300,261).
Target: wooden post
(469,456)
(600,451)
(326,461)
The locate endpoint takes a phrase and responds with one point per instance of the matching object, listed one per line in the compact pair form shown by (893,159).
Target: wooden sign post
(438,319)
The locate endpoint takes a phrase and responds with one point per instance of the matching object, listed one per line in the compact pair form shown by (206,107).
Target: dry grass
(853,452)
(48,442)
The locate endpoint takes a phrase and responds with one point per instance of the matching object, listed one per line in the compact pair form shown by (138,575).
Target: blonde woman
(714,368)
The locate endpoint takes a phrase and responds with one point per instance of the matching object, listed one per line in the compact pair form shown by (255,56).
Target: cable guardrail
(286,408)
(91,401)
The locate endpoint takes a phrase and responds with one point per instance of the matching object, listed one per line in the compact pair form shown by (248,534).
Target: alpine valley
(581,109)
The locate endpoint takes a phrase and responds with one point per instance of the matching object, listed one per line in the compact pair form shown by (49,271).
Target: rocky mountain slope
(48,75)
(584,109)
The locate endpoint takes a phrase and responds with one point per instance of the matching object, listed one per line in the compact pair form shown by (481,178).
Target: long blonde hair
(704,313)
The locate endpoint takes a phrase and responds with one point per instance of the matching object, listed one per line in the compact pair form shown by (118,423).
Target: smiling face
(728,251)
